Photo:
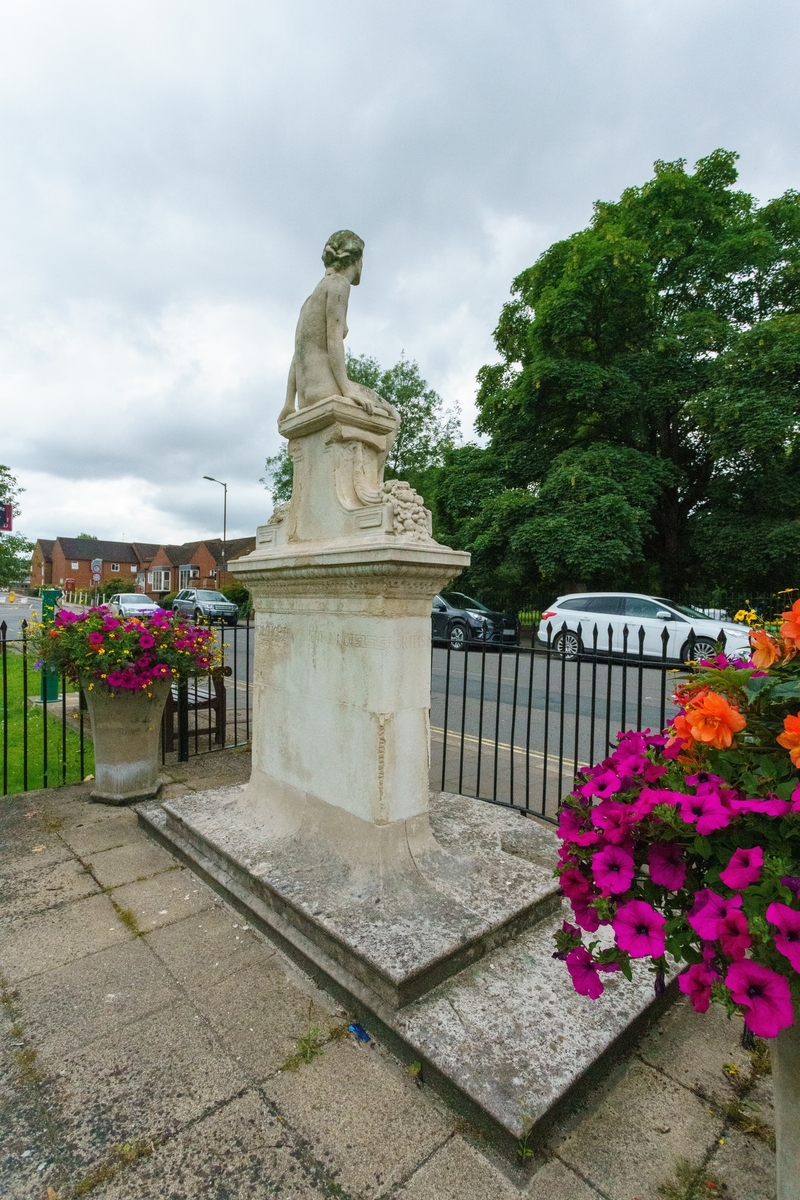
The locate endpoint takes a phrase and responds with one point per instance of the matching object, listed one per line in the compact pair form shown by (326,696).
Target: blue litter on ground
(359,1031)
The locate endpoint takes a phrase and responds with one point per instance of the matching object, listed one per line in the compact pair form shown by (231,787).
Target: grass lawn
(61,768)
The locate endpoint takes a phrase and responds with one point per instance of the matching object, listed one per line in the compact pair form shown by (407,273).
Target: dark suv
(205,605)
(461,621)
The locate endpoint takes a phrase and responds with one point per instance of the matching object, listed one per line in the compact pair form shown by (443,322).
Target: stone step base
(507,1040)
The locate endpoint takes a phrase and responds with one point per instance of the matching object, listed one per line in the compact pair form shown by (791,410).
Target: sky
(171,170)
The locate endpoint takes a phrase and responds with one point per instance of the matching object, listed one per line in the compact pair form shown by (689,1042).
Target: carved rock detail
(410,517)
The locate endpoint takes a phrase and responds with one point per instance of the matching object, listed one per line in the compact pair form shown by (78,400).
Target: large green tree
(427,429)
(643,421)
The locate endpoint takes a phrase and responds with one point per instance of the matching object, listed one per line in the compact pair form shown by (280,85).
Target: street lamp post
(211,479)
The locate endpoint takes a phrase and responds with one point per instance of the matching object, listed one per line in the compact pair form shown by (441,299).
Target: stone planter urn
(125,731)
(785,1054)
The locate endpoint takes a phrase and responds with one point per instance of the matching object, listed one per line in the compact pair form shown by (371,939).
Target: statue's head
(343,249)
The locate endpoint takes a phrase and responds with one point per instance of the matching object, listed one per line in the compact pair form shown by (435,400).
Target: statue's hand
(363,402)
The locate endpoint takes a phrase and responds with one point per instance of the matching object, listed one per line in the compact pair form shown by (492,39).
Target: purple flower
(639,929)
(772,806)
(572,828)
(696,984)
(613,870)
(764,995)
(585,913)
(733,934)
(573,883)
(787,940)
(614,819)
(743,869)
(602,785)
(792,882)
(667,867)
(585,978)
(707,810)
(146,641)
(707,912)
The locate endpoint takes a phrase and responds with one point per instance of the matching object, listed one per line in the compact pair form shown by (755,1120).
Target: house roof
(85,548)
(145,551)
(46,547)
(183,555)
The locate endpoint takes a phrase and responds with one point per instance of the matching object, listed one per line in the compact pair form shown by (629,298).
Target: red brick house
(67,563)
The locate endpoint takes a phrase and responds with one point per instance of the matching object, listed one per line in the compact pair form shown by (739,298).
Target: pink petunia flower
(707,810)
(667,867)
(743,869)
(733,935)
(605,784)
(639,929)
(585,913)
(573,883)
(95,639)
(614,819)
(787,940)
(613,870)
(771,806)
(708,910)
(146,641)
(696,984)
(583,971)
(764,995)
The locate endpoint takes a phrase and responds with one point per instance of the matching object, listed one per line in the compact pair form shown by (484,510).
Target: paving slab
(630,1143)
(75,1004)
(128,863)
(144,1081)
(746,1166)
(25,846)
(556,1181)
(94,833)
(165,898)
(33,944)
(53,883)
(259,1014)
(240,1152)
(691,1047)
(456,1172)
(208,948)
(361,1116)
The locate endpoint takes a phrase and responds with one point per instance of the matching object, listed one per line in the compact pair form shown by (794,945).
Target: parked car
(655,615)
(460,620)
(204,605)
(133,604)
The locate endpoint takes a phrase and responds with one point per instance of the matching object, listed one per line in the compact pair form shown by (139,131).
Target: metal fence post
(183,721)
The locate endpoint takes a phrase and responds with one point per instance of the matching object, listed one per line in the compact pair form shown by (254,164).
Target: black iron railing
(46,733)
(513,725)
(510,725)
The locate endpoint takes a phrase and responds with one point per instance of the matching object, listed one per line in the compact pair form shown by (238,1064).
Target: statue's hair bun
(342,248)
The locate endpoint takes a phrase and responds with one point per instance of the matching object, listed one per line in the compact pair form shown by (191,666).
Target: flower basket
(686,846)
(125,667)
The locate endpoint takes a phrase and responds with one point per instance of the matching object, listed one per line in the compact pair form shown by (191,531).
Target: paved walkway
(154,1046)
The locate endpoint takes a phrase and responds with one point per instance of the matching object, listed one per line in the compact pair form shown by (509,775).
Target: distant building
(152,568)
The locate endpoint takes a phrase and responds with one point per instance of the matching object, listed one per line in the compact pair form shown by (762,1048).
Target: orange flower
(790,740)
(766,650)
(790,629)
(713,721)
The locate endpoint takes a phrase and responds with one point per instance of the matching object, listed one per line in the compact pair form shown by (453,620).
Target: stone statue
(318,370)
(339,432)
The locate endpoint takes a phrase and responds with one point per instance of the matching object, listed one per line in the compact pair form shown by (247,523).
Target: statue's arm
(291,392)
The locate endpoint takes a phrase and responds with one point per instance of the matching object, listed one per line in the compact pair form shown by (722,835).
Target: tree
(648,391)
(15,550)
(86,537)
(427,430)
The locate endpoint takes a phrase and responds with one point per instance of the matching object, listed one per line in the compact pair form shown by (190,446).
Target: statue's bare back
(318,369)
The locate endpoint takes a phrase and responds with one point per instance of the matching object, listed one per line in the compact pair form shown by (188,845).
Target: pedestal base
(391,906)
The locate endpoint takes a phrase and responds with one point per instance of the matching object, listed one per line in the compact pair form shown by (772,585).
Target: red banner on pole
(5,518)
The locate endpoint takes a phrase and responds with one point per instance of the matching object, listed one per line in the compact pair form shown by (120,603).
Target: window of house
(75,566)
(115,566)
(133,569)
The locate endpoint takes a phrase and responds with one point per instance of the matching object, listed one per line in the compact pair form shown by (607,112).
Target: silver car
(133,604)
(665,628)
(204,605)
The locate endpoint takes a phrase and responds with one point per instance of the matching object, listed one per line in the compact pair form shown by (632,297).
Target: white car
(667,627)
(133,604)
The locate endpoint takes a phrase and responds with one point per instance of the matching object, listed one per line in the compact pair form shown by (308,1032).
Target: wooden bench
(204,693)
